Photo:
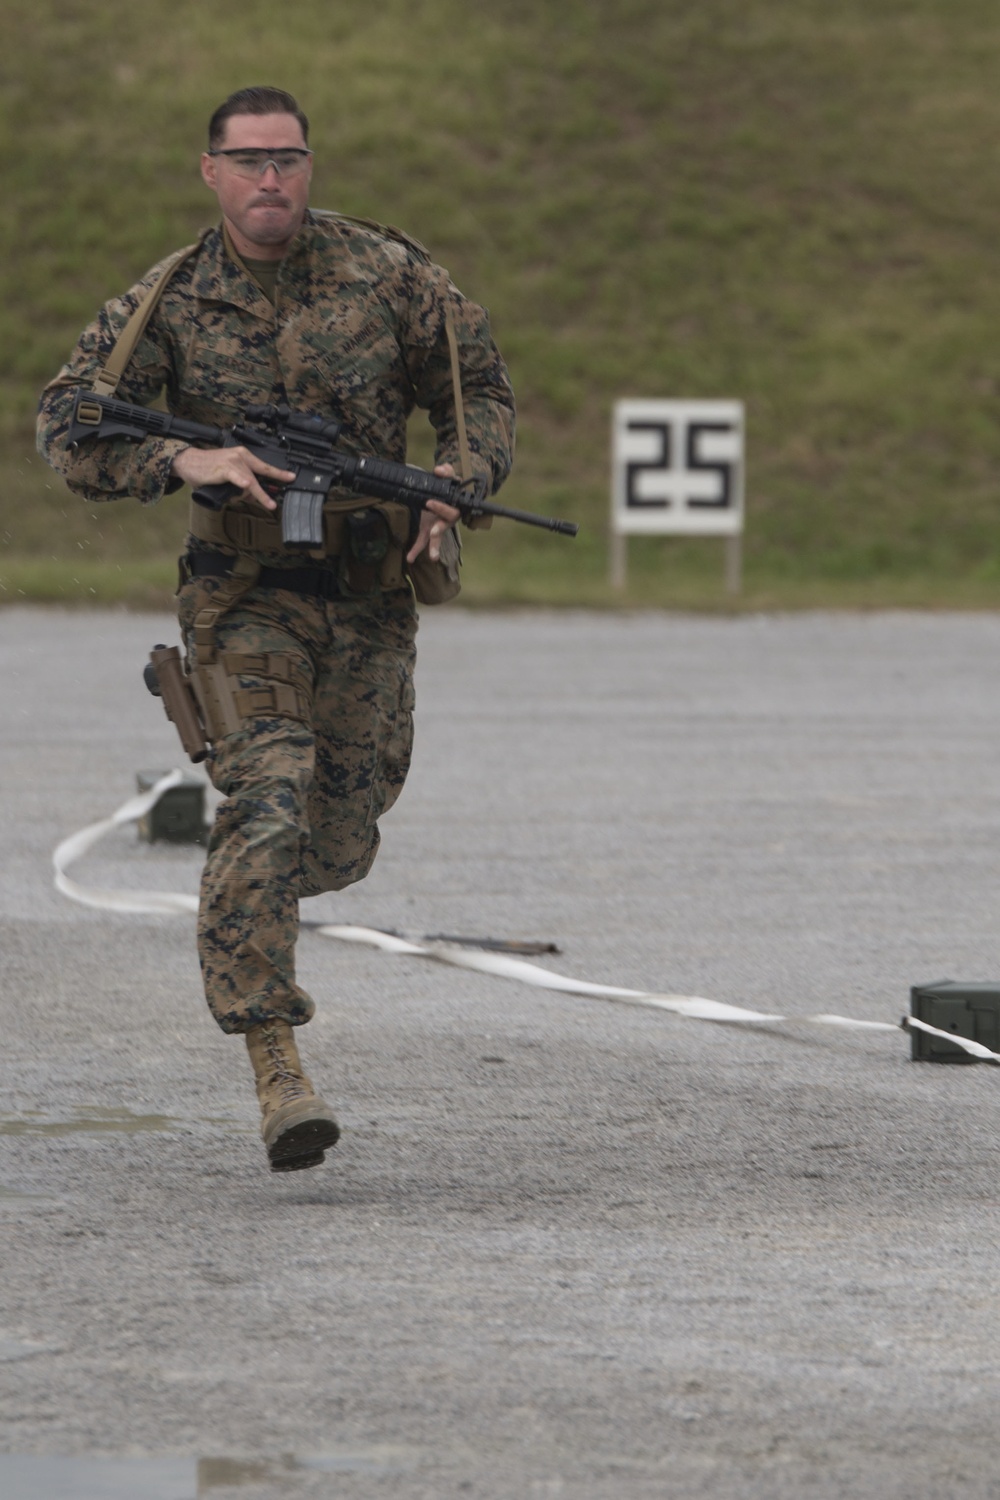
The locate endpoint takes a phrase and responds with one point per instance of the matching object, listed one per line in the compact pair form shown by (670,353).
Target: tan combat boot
(297,1126)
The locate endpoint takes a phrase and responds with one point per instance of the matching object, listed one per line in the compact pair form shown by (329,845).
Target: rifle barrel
(550,523)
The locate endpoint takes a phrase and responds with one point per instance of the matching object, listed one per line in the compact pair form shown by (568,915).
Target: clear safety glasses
(254,161)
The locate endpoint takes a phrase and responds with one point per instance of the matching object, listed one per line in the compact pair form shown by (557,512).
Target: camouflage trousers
(303,787)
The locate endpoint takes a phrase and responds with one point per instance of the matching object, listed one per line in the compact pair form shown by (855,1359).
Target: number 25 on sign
(677,468)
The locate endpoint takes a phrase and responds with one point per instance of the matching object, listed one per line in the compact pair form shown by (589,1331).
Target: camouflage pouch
(437,582)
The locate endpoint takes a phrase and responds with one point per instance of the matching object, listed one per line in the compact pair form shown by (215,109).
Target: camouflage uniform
(323,680)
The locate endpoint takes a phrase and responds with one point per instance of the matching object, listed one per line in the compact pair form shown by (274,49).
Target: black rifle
(304,444)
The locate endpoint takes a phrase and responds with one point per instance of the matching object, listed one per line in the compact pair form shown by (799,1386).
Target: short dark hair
(259,100)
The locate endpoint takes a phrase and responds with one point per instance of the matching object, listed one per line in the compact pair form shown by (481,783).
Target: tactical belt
(234,528)
(247,533)
(319,583)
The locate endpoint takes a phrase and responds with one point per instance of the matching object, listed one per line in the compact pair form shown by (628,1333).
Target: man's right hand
(236,466)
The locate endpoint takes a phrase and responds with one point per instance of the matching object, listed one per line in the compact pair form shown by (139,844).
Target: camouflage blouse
(356,333)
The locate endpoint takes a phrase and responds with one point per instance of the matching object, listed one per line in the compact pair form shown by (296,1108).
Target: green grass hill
(787,201)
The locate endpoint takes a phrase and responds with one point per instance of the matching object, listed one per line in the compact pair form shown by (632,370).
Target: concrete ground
(565,1248)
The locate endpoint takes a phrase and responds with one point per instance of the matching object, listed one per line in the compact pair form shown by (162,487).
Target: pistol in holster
(166,679)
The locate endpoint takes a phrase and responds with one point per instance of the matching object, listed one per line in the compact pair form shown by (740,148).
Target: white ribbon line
(695,1007)
(71,849)
(976,1049)
(516,968)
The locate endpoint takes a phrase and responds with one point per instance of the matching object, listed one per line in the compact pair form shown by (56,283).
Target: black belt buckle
(326,585)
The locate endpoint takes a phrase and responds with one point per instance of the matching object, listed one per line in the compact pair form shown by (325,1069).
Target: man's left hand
(435,519)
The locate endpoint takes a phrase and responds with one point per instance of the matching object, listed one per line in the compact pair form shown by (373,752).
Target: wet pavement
(25,1477)
(563,1248)
(92,1119)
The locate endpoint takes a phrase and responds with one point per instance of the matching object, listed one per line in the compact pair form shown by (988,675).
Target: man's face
(263,213)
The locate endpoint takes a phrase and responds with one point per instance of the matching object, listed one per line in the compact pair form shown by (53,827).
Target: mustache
(270,200)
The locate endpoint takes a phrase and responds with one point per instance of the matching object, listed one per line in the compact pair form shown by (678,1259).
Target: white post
(617,559)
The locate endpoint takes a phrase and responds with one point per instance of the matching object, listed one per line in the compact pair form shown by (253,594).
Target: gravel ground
(565,1247)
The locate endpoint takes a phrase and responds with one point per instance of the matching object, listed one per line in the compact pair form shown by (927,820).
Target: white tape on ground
(71,849)
(500,964)
(975,1048)
(694,1007)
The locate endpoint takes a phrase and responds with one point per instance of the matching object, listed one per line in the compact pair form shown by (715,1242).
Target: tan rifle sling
(106,379)
(456,380)
(244,574)
(436,582)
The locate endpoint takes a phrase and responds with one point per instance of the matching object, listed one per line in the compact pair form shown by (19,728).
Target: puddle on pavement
(26,1477)
(12,1196)
(229,1473)
(29,1478)
(92,1119)
(13,1349)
